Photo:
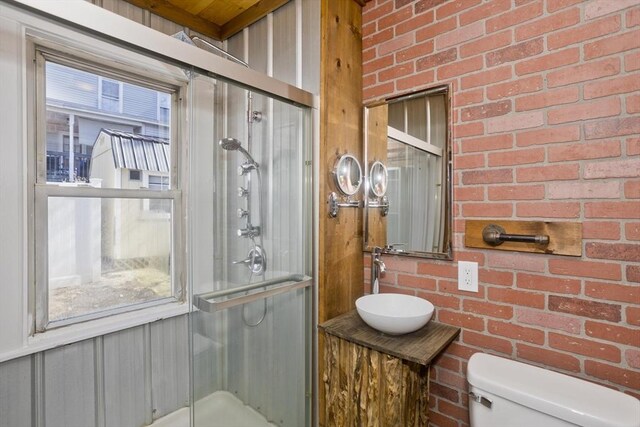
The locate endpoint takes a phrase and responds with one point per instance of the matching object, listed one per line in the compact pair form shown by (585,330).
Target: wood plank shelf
(374,379)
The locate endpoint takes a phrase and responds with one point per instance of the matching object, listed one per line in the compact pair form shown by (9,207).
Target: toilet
(505,393)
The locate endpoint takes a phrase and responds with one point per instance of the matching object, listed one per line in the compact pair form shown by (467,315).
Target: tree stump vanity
(373,379)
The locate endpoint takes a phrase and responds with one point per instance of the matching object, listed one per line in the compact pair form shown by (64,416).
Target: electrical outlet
(468,276)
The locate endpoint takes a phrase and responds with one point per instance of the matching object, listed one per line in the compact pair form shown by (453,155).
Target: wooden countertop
(420,346)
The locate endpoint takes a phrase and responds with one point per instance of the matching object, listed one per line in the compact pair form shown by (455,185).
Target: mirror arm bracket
(335,205)
(382,203)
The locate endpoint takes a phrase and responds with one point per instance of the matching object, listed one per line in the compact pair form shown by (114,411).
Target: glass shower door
(251,258)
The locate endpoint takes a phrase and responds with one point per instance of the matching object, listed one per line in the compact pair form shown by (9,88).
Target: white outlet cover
(468,276)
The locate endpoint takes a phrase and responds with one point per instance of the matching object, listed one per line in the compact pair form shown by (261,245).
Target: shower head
(232,144)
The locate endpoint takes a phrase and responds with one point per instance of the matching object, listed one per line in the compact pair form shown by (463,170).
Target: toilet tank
(507,393)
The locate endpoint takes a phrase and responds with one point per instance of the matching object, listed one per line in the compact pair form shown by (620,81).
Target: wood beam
(249,16)
(173,13)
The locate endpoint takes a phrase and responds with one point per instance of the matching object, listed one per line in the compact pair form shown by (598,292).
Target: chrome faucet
(377,269)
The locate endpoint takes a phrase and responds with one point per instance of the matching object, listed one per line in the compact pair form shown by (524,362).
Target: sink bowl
(394,314)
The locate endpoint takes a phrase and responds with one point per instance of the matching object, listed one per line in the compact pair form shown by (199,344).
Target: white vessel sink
(394,314)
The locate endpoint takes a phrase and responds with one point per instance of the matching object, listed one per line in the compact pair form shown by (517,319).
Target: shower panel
(251,319)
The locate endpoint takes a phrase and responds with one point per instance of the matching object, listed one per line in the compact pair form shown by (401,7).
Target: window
(96,252)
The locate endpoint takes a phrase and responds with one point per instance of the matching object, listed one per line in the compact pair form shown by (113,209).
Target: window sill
(94,328)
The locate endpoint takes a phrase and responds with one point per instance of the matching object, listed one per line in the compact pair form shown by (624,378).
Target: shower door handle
(206,302)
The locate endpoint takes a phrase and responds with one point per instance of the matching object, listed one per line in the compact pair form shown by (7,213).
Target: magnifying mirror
(348,174)
(378,178)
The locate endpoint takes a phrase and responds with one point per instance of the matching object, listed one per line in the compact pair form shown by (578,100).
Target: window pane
(106,253)
(109,142)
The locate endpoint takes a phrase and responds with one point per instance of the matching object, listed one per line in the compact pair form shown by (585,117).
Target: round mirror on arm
(348,174)
(378,178)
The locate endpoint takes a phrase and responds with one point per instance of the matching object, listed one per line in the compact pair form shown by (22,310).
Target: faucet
(377,269)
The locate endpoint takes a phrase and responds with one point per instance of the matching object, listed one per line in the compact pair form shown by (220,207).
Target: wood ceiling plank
(249,16)
(194,7)
(222,11)
(179,16)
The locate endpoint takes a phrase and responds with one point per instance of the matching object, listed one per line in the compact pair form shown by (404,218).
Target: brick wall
(546,110)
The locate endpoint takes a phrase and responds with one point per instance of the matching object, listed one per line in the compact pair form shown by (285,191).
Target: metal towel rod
(495,235)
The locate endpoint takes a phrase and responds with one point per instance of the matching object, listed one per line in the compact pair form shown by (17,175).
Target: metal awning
(139,152)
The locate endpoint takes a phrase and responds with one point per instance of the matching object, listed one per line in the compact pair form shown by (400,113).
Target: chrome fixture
(335,204)
(382,203)
(377,269)
(242,213)
(249,232)
(495,235)
(256,260)
(245,168)
(232,144)
(347,175)
(242,192)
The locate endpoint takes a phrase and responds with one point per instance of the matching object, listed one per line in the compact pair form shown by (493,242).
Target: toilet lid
(568,398)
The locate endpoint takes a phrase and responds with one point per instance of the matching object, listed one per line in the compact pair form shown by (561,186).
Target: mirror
(347,174)
(409,138)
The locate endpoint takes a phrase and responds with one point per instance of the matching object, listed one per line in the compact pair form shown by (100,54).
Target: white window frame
(38,322)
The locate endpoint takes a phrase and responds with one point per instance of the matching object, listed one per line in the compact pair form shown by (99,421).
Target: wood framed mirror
(410,136)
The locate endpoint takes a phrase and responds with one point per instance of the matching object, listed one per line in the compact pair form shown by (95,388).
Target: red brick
(613,292)
(485,110)
(369,80)
(516,157)
(633,146)
(548,62)
(373,92)
(584,32)
(415,51)
(566,171)
(548,136)
(485,143)
(491,8)
(516,297)
(487,342)
(612,127)
(612,210)
(376,39)
(515,52)
(487,210)
(603,230)
(612,169)
(461,320)
(516,16)
(460,35)
(441,420)
(613,251)
(633,18)
(611,45)
(454,7)
(632,62)
(548,320)
(454,411)
(517,261)
(517,87)
(514,122)
(426,5)
(377,64)
(485,44)
(632,230)
(395,44)
(484,78)
(598,8)
(597,109)
(633,316)
(548,209)
(548,357)
(416,81)
(584,72)
(487,309)
(633,104)
(447,362)
(461,99)
(461,67)
(515,332)
(416,282)
(613,333)
(440,58)
(468,129)
(516,192)
(583,190)
(547,98)
(487,176)
(584,347)
(474,161)
(444,392)
(395,72)
(441,301)
(394,18)
(548,24)
(623,84)
(368,55)
(614,374)
(585,308)
(495,277)
(632,356)
(438,270)
(431,31)
(370,13)
(548,284)
(368,29)
(584,151)
(579,268)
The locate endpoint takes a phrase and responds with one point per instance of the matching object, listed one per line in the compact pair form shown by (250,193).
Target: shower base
(219,409)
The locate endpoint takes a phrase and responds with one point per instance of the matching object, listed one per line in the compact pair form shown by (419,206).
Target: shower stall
(251,257)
